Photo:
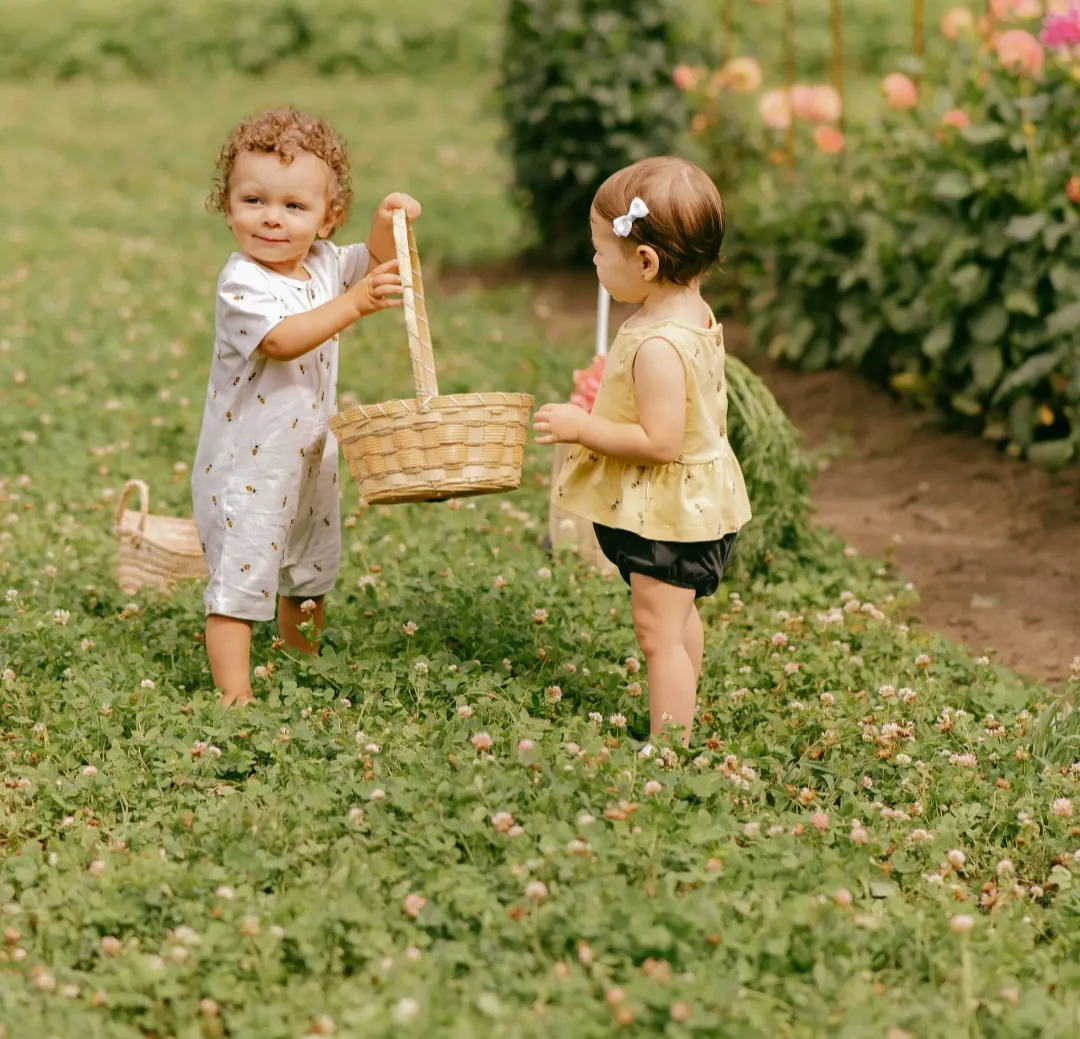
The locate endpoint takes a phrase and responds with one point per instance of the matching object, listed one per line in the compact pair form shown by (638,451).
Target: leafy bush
(103,38)
(586,90)
(938,253)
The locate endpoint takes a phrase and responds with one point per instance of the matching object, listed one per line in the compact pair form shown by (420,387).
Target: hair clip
(623,224)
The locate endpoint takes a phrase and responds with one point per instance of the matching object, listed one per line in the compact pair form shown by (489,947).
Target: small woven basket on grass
(432,447)
(154,550)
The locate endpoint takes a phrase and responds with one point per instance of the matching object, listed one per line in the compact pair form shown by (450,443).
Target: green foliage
(586,89)
(108,38)
(940,261)
(777,476)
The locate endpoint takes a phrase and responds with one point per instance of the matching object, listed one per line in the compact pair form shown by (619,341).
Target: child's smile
(276,211)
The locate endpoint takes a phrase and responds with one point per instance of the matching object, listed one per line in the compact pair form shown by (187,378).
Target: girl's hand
(380,289)
(559,424)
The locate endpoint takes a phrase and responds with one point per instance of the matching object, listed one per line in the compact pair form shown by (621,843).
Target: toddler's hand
(559,423)
(397,200)
(380,289)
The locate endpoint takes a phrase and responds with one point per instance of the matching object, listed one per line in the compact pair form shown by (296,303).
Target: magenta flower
(1061,32)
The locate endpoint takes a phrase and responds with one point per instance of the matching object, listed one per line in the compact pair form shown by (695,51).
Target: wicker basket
(154,550)
(432,447)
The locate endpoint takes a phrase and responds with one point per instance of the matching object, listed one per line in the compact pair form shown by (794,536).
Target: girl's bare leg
(228,645)
(661,614)
(694,641)
(290,617)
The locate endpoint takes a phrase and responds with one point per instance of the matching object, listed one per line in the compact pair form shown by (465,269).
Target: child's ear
(648,262)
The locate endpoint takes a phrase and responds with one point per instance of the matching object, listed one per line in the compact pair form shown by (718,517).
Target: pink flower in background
(1072,189)
(957,22)
(825,105)
(829,140)
(900,91)
(586,383)
(1061,32)
(956,117)
(1020,52)
(775,109)
(802,100)
(742,75)
(684,77)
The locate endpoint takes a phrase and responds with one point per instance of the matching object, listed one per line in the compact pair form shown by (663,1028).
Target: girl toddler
(265,478)
(653,469)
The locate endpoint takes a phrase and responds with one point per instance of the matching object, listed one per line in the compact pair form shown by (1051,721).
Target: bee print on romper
(254,450)
(261,399)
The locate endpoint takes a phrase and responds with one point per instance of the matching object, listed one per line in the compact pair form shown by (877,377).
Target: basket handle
(144,503)
(416,320)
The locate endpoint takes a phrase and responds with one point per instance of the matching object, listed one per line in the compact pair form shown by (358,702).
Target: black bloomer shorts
(699,565)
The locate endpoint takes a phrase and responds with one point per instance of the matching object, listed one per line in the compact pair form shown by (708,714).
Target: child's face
(625,272)
(276,211)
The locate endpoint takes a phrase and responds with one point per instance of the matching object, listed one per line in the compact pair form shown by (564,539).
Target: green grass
(713,895)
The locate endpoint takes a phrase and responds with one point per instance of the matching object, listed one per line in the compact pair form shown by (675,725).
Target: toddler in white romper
(265,479)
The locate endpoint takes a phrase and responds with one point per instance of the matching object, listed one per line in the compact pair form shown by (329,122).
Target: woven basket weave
(432,447)
(154,550)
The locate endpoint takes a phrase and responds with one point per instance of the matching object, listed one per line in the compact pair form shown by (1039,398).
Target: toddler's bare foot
(236,699)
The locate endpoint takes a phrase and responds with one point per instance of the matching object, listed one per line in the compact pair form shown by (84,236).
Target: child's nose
(272,215)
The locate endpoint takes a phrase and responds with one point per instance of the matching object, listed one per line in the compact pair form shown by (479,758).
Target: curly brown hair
(686,221)
(285,131)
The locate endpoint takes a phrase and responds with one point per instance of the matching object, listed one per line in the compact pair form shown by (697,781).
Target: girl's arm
(656,439)
(298,334)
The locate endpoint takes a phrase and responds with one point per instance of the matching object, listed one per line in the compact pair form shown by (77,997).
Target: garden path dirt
(992,544)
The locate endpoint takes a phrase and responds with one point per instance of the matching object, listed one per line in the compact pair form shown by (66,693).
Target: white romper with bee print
(265,479)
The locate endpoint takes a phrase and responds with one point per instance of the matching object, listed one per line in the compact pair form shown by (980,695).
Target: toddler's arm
(655,439)
(300,333)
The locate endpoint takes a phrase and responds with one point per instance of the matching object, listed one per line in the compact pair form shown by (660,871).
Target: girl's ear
(648,262)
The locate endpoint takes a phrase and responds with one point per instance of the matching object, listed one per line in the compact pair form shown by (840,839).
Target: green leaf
(1052,454)
(1025,228)
(1021,420)
(1064,321)
(966,405)
(990,325)
(1021,301)
(986,366)
(1033,370)
(938,341)
(982,133)
(951,186)
(883,888)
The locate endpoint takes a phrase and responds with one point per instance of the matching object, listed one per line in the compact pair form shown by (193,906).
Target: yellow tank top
(701,496)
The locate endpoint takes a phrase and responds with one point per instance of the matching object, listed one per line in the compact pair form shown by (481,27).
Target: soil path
(992,544)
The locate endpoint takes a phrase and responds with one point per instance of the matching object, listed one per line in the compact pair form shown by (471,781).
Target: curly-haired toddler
(265,479)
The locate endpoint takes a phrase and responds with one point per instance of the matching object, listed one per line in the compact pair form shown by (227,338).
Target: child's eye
(294,205)
(251,200)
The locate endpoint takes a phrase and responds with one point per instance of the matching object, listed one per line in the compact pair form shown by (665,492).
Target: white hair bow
(623,224)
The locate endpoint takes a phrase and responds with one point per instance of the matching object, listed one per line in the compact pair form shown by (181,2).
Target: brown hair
(685,225)
(286,132)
